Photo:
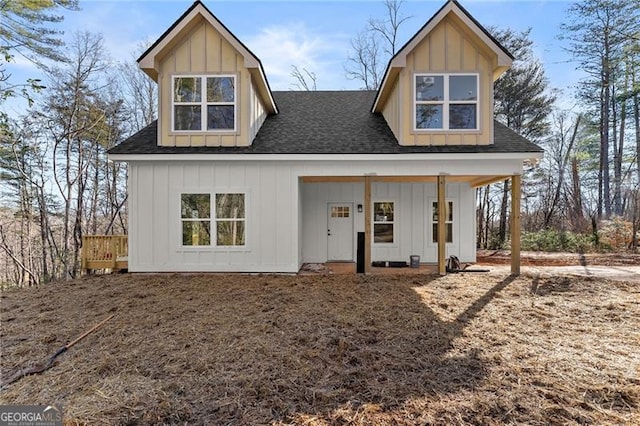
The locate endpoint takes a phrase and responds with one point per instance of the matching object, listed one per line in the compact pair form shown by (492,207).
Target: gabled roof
(148,60)
(337,122)
(399,60)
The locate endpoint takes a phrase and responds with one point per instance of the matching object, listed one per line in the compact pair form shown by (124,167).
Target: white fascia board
(263,79)
(328,157)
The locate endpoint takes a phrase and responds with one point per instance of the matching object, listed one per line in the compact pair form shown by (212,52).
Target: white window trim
(445,102)
(182,220)
(203,104)
(213,220)
(216,219)
(394,222)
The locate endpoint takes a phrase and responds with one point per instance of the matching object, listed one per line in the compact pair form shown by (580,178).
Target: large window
(230,220)
(448,222)
(446,101)
(196,219)
(383,222)
(204,103)
(228,216)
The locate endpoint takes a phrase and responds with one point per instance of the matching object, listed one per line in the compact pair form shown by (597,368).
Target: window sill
(211,248)
(203,133)
(384,245)
(446,131)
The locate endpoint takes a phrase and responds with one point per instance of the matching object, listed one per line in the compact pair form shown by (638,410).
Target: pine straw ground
(325,350)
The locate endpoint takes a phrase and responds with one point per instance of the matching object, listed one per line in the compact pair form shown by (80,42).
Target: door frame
(352,223)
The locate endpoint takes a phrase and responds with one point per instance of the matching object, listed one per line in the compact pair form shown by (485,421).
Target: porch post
(367,224)
(515,224)
(441,226)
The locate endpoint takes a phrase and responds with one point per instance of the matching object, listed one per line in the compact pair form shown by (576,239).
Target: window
(196,219)
(230,220)
(448,214)
(446,102)
(340,211)
(383,221)
(204,103)
(228,217)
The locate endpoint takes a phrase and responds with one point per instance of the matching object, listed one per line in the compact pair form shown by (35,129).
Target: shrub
(553,241)
(615,234)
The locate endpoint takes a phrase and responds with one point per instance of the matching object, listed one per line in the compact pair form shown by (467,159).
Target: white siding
(286,221)
(257,112)
(464,223)
(271,209)
(412,219)
(315,198)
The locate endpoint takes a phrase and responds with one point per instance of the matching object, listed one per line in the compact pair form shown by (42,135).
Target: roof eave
(357,157)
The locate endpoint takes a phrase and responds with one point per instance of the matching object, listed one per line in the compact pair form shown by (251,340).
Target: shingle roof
(329,122)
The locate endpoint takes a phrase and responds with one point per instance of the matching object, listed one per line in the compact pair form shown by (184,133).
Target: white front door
(340,232)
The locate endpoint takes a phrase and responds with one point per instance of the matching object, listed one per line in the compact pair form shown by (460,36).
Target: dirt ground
(613,266)
(329,349)
(535,258)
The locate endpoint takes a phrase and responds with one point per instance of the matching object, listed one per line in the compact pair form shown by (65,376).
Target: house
(236,177)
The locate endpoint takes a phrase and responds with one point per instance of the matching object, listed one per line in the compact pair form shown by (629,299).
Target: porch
(349,268)
(430,238)
(104,252)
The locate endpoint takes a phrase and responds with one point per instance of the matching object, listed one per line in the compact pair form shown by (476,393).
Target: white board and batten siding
(315,213)
(257,112)
(155,226)
(413,221)
(413,225)
(286,220)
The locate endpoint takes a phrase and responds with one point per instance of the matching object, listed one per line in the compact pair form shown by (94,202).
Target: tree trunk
(487,223)
(42,213)
(502,229)
(617,162)
(577,212)
(635,219)
(636,118)
(479,217)
(604,125)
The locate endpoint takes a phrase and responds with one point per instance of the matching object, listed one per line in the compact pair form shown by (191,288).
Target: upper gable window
(204,103)
(446,101)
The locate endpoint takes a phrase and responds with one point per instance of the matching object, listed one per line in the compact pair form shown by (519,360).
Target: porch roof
(326,122)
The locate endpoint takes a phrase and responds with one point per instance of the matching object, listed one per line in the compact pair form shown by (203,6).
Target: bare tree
(560,151)
(598,33)
(389,26)
(304,79)
(373,47)
(75,119)
(139,93)
(523,102)
(364,64)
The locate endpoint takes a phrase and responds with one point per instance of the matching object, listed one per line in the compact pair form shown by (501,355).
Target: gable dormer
(212,90)
(438,88)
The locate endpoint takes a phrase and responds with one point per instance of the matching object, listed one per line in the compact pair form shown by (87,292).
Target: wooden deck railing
(104,252)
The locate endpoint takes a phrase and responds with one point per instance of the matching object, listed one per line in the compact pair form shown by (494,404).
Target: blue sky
(311,34)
